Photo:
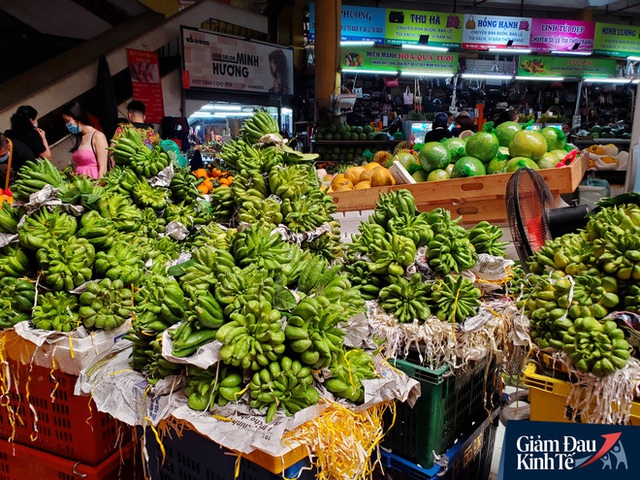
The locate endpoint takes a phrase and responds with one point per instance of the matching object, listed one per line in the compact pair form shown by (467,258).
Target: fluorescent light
(417,73)
(356,43)
(231,114)
(606,80)
(633,57)
(228,108)
(570,52)
(208,106)
(635,81)
(362,70)
(515,51)
(486,76)
(550,79)
(202,114)
(424,48)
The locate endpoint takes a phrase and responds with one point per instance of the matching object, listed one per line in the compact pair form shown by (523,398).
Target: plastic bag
(173,150)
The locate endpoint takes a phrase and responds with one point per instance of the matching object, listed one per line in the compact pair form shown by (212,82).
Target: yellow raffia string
(453,320)
(158,439)
(221,418)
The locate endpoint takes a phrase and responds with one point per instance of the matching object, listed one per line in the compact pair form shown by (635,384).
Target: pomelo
(505,132)
(434,155)
(483,146)
(496,165)
(528,143)
(468,167)
(407,160)
(560,153)
(456,147)
(555,138)
(438,174)
(548,160)
(420,175)
(520,162)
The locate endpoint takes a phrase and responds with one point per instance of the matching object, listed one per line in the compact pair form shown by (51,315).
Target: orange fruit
(353,174)
(381,176)
(340,180)
(344,188)
(372,166)
(362,185)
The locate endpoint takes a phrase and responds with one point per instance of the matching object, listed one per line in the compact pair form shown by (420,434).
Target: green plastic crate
(447,406)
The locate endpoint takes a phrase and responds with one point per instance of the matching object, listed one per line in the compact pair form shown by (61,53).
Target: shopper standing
(439,129)
(24,127)
(136,116)
(13,155)
(90,148)
(463,123)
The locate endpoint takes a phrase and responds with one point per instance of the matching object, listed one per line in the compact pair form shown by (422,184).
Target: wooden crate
(475,198)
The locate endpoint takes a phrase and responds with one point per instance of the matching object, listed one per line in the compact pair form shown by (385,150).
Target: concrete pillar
(327,44)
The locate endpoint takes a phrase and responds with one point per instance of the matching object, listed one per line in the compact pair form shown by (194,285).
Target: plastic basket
(18,462)
(48,416)
(548,398)
(195,457)
(468,459)
(447,406)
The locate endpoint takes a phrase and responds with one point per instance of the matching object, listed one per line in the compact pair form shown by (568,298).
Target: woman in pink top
(90,149)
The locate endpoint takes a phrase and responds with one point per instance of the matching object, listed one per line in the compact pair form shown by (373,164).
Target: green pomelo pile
(438,174)
(548,160)
(505,132)
(468,167)
(528,143)
(456,147)
(483,146)
(434,155)
(520,162)
(420,175)
(555,138)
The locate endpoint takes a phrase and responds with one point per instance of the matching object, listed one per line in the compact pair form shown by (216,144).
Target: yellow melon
(381,176)
(372,166)
(366,176)
(340,180)
(362,185)
(353,174)
(344,188)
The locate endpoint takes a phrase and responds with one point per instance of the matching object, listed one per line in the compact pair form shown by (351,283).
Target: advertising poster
(540,66)
(217,61)
(406,26)
(479,32)
(563,35)
(394,60)
(616,40)
(357,23)
(145,79)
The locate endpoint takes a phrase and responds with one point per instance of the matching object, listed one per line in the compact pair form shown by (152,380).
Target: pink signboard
(562,35)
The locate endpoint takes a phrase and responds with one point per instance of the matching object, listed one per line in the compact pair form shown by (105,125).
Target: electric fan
(533,218)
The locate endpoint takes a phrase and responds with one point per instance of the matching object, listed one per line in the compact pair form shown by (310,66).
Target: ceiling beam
(613,12)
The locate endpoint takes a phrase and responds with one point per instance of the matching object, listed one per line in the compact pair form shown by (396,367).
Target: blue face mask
(74,129)
(4,158)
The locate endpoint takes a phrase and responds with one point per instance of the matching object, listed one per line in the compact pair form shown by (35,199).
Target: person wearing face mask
(90,148)
(13,155)
(24,127)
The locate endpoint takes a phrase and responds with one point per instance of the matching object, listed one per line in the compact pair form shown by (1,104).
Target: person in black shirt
(24,127)
(463,123)
(13,155)
(439,129)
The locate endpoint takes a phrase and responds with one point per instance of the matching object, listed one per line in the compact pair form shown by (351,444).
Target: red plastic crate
(63,424)
(18,462)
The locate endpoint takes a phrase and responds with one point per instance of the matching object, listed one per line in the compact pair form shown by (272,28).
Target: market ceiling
(614,11)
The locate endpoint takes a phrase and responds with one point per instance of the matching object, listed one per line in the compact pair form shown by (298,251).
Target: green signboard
(390,59)
(617,40)
(539,66)
(406,26)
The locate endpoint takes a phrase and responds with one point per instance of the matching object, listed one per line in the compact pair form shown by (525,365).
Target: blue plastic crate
(468,459)
(195,457)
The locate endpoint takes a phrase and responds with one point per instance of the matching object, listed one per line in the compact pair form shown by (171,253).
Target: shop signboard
(215,61)
(390,59)
(562,35)
(356,23)
(617,40)
(406,26)
(479,32)
(145,81)
(541,66)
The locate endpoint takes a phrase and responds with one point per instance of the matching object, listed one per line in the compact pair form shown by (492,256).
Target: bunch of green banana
(289,181)
(159,303)
(572,253)
(338,290)
(127,146)
(347,372)
(122,261)
(366,282)
(213,386)
(485,238)
(56,311)
(406,300)
(370,234)
(393,205)
(258,211)
(269,157)
(208,263)
(257,245)
(412,226)
(253,337)
(146,196)
(238,155)
(44,225)
(99,231)
(593,296)
(213,235)
(146,356)
(249,183)
(599,348)
(313,271)
(619,254)
(222,204)
(234,287)
(149,163)
(448,253)
(548,321)
(190,336)
(328,244)
(441,222)
(455,298)
(160,251)
(392,254)
(81,190)
(10,215)
(308,212)
(258,125)
(184,186)
(66,264)
(17,296)
(33,176)
(120,180)
(152,225)
(187,214)
(286,384)
(208,311)
(105,304)
(14,262)
(125,216)
(616,218)
(312,331)
(632,298)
